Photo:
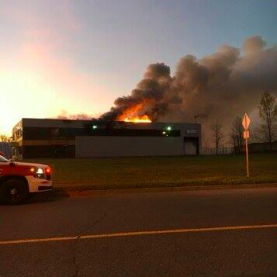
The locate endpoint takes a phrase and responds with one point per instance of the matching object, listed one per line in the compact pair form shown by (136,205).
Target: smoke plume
(82,116)
(149,97)
(220,86)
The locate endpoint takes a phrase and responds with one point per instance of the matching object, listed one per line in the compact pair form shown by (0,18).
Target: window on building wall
(55,132)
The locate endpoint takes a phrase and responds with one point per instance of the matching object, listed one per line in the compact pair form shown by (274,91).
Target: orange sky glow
(37,82)
(37,85)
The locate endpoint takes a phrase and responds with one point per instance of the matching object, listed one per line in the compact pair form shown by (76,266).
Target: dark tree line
(237,135)
(268,115)
(268,128)
(267,132)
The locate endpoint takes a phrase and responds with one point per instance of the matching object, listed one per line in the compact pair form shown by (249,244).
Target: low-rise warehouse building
(58,138)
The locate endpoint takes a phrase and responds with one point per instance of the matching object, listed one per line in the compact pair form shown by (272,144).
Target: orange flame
(138,119)
(132,115)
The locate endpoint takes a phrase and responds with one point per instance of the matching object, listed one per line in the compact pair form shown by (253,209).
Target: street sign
(246,122)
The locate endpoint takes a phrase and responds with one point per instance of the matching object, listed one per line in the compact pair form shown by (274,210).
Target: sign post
(245,123)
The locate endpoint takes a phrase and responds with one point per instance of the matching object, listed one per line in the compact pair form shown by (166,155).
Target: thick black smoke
(150,95)
(220,86)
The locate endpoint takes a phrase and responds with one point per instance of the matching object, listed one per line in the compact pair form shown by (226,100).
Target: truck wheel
(13,192)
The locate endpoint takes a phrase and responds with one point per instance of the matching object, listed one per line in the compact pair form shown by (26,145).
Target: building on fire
(59,138)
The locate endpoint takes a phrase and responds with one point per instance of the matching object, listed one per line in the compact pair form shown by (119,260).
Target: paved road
(190,233)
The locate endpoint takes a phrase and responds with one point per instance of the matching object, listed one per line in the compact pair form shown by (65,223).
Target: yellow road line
(176,231)
(141,233)
(21,241)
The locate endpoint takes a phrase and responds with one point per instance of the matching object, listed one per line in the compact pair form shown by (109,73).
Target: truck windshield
(2,159)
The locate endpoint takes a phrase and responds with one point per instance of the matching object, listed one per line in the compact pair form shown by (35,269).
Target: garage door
(191,146)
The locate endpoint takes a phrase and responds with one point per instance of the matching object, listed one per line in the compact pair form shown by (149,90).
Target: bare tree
(237,134)
(233,141)
(268,113)
(217,135)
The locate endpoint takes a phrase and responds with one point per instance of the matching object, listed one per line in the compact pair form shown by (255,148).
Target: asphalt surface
(249,250)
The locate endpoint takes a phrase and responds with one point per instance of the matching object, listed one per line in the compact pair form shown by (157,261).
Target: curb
(60,192)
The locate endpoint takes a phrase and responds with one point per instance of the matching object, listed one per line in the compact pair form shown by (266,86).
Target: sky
(76,57)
